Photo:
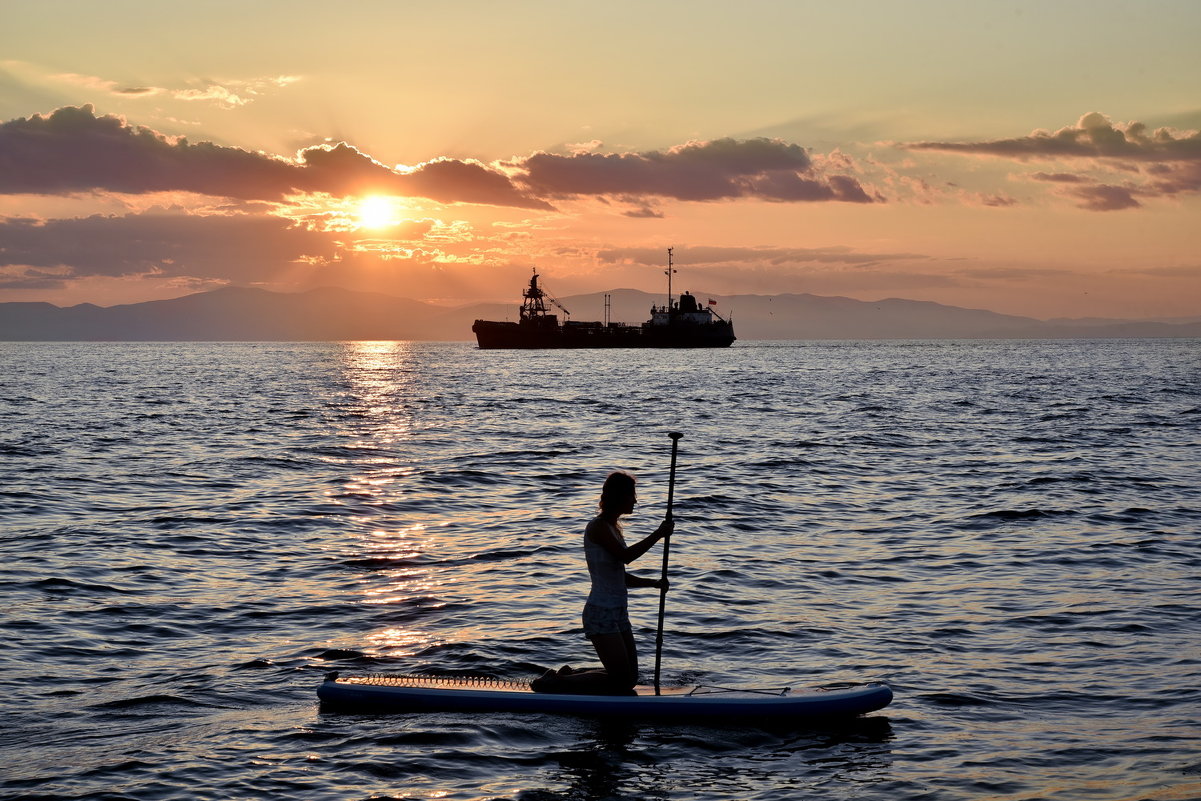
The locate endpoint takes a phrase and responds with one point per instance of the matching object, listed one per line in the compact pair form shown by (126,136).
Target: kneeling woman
(606,620)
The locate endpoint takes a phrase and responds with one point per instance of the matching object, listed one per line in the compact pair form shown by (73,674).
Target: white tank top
(607,572)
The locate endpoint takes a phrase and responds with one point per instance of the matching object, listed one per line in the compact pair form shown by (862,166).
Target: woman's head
(618,494)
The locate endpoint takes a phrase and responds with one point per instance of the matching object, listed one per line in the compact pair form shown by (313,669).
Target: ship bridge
(685,310)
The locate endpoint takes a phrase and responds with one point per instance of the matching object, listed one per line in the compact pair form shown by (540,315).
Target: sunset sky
(1038,158)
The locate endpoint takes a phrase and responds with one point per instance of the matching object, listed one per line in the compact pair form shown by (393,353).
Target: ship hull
(492,335)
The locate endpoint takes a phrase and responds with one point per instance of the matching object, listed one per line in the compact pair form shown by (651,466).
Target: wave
(157,700)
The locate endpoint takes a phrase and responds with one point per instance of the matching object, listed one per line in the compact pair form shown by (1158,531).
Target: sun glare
(377,211)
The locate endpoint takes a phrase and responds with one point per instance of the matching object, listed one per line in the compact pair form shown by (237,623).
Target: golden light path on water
(377,379)
(423,539)
(401,586)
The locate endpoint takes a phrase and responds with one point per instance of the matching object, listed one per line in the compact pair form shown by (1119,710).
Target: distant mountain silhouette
(329,314)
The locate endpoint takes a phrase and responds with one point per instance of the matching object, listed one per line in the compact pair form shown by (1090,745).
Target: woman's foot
(542,681)
(551,676)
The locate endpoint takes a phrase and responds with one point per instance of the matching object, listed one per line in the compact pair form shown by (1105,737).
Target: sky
(1035,158)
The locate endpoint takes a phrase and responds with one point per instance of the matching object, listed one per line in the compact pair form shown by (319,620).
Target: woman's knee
(620,663)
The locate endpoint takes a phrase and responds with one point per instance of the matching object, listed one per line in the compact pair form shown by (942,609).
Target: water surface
(1005,531)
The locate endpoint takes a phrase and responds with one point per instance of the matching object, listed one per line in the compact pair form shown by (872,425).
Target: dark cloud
(1174,179)
(449,180)
(764,169)
(164,242)
(73,150)
(1105,198)
(1093,136)
(32,279)
(644,213)
(848,189)
(1156,181)
(1159,163)
(1061,178)
(342,169)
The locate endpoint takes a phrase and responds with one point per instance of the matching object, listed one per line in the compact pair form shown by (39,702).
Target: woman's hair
(618,486)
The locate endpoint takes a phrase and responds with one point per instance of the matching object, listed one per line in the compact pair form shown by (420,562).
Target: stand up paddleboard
(384,693)
(408,693)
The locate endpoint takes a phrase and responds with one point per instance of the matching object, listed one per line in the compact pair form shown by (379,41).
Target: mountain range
(332,314)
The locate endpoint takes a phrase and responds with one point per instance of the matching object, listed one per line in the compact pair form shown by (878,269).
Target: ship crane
(553,300)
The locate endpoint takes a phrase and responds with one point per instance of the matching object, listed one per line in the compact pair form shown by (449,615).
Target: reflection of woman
(606,621)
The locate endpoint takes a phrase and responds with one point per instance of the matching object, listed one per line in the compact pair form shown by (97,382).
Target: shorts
(605,620)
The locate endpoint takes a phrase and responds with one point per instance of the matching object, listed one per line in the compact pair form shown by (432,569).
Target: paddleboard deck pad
(414,693)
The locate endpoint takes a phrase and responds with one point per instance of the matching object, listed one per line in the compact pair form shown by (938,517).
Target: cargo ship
(681,323)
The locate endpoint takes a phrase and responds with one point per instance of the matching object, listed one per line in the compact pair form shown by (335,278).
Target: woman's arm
(602,533)
(637,582)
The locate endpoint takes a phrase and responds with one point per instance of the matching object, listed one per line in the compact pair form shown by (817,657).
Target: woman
(606,620)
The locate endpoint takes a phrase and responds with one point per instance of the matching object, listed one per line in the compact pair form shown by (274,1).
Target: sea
(1007,532)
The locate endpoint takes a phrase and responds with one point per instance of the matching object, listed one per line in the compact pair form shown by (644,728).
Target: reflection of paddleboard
(383,693)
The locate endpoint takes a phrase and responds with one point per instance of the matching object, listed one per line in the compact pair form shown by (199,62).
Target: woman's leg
(619,656)
(619,672)
(632,651)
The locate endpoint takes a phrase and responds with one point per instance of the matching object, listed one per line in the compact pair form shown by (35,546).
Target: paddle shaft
(671,491)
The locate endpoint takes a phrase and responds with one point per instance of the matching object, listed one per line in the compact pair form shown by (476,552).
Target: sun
(377,211)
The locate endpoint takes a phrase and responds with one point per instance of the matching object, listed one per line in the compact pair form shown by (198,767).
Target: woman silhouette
(606,620)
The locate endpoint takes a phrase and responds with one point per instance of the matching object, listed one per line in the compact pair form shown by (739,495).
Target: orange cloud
(225,94)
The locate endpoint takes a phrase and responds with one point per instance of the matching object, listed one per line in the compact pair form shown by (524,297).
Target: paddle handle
(671,493)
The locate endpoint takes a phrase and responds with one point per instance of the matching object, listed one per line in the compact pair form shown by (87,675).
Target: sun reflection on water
(390,546)
(380,378)
(400,642)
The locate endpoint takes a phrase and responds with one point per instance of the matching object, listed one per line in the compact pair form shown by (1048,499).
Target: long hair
(618,485)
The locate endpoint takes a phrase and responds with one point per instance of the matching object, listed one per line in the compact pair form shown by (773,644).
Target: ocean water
(1006,532)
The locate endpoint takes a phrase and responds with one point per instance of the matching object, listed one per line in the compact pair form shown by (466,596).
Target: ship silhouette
(682,323)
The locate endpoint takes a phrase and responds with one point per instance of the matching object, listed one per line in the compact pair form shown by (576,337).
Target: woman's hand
(665,528)
(662,584)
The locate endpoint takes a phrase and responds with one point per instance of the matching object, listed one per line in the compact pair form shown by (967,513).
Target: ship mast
(669,271)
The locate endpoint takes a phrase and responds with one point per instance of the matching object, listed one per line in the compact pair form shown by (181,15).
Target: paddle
(671,491)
